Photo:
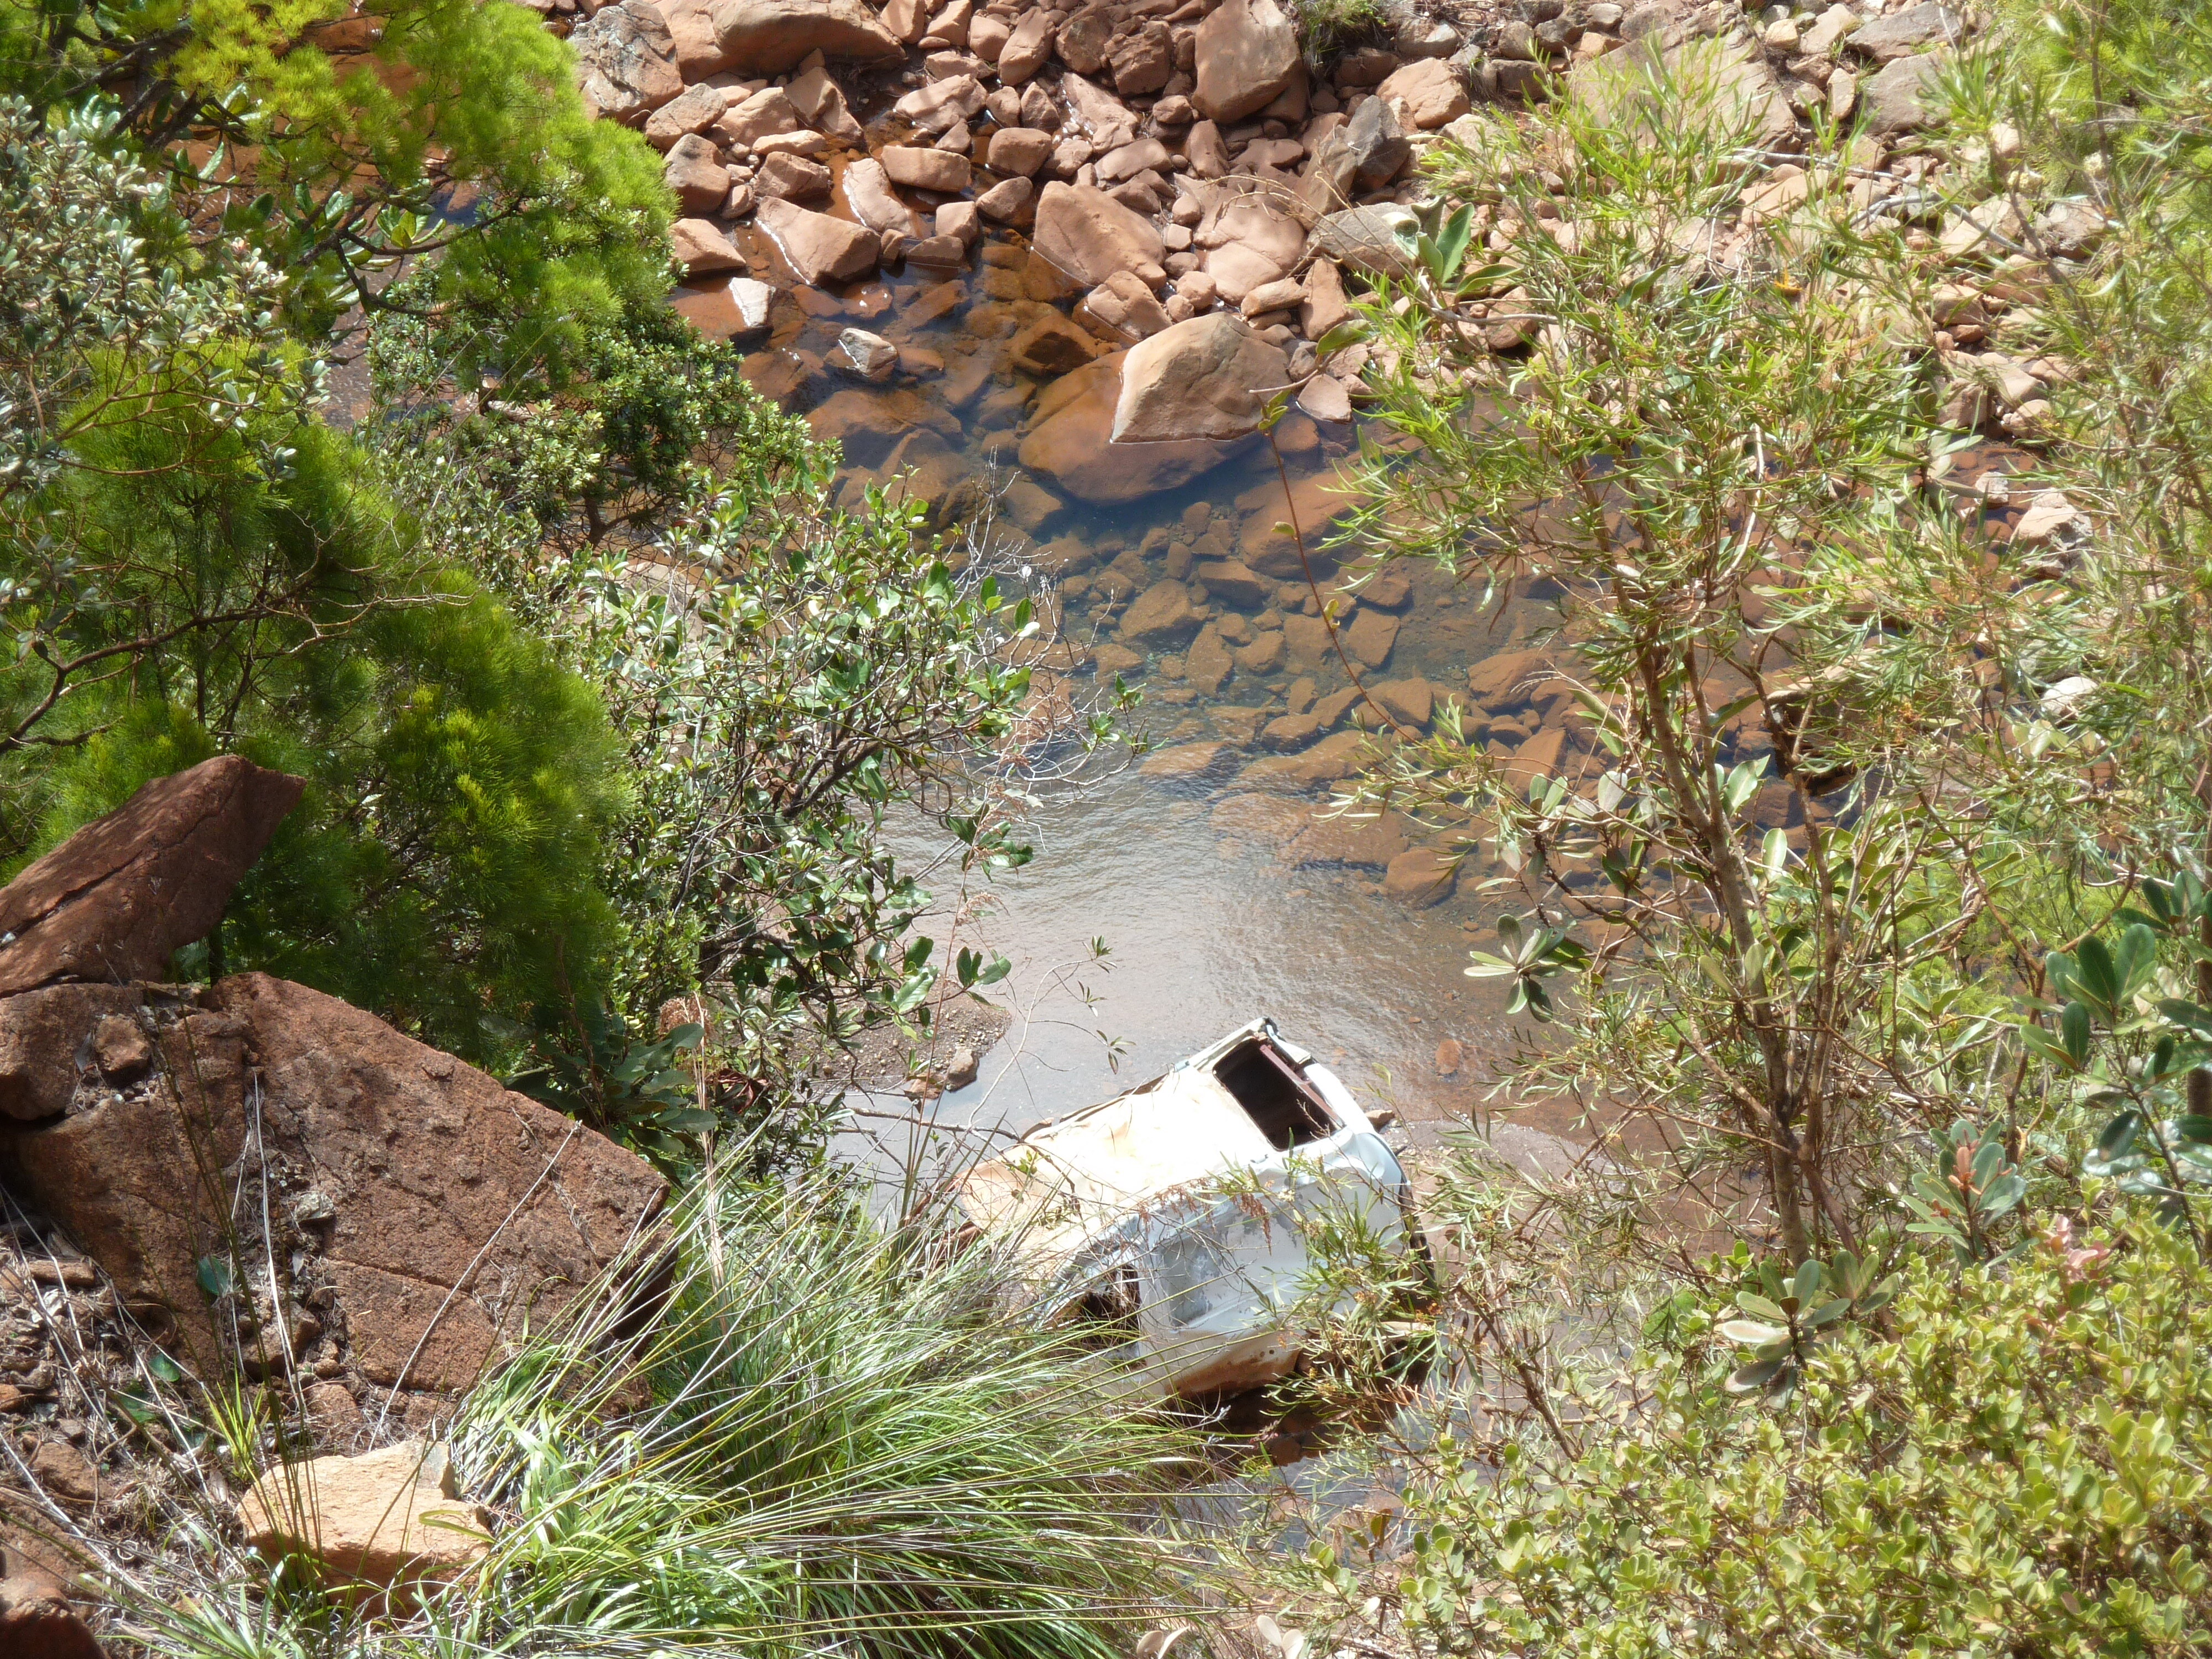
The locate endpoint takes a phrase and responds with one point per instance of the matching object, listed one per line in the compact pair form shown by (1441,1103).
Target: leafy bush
(2019,1464)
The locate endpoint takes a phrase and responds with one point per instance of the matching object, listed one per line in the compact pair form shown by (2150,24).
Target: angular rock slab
(1247,53)
(819,248)
(1210,377)
(771,37)
(433,1211)
(1070,445)
(117,898)
(383,1518)
(1088,236)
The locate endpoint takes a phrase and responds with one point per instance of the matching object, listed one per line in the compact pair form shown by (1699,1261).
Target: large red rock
(1247,53)
(1088,236)
(1210,377)
(116,899)
(819,248)
(626,62)
(770,37)
(1070,445)
(421,1213)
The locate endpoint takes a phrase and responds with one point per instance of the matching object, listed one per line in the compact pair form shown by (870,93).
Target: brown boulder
(1020,151)
(771,37)
(1088,236)
(1431,92)
(867,191)
(695,175)
(626,62)
(116,899)
(383,1518)
(1210,377)
(700,247)
(1026,49)
(819,248)
(1247,53)
(926,169)
(1121,309)
(693,112)
(1070,445)
(37,1622)
(430,1211)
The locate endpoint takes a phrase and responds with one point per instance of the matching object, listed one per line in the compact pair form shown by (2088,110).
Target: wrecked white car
(1174,1218)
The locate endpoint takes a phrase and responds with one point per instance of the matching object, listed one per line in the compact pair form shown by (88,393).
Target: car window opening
(1106,1317)
(1278,1099)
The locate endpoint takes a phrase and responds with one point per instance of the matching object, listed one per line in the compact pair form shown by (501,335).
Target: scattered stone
(1003,202)
(626,62)
(1234,582)
(1019,150)
(1904,32)
(1827,32)
(819,248)
(1161,615)
(1247,53)
(871,356)
(382,1518)
(1431,92)
(788,178)
(1408,702)
(1107,122)
(960,1071)
(1419,876)
(765,114)
(1049,347)
(1726,82)
(1324,303)
(941,105)
(1370,639)
(1324,397)
(63,1471)
(822,101)
(700,247)
(1069,443)
(926,169)
(1187,762)
(1121,309)
(1450,1056)
(2048,514)
(1026,49)
(1284,294)
(737,309)
(695,111)
(37,1622)
(961,219)
(1381,241)
(695,174)
(2065,700)
(1207,377)
(1907,96)
(1088,236)
(868,192)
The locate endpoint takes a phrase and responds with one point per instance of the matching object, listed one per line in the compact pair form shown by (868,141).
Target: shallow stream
(1205,867)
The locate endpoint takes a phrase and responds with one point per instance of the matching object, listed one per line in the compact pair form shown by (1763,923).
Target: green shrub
(2020,1465)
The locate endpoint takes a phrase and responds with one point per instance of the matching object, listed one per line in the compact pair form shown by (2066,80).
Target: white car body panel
(1176,1191)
